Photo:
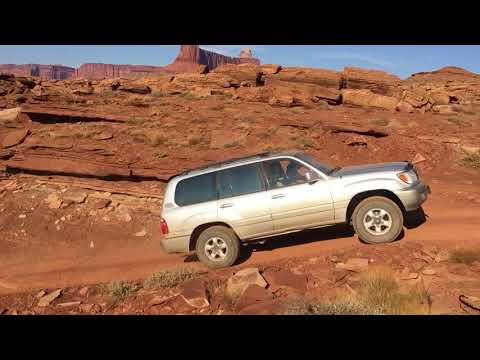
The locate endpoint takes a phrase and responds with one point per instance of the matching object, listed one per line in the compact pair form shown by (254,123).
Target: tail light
(164,226)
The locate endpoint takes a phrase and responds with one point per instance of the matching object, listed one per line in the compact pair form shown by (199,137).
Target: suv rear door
(243,201)
(295,203)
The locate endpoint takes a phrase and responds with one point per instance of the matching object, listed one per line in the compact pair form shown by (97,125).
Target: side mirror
(311,177)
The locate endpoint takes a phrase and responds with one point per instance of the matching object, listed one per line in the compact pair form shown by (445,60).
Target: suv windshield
(324,168)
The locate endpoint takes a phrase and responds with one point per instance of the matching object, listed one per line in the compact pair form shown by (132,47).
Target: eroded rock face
(57,72)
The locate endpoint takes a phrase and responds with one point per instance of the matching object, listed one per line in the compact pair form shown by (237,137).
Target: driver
(293,173)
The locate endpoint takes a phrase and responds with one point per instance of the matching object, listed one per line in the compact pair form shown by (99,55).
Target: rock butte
(188,60)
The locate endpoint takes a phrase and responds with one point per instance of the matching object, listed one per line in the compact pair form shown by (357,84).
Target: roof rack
(226,162)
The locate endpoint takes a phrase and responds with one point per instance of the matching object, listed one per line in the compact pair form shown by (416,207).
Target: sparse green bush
(171,278)
(120,289)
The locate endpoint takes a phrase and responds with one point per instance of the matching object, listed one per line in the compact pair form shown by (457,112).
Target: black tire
(228,237)
(377,202)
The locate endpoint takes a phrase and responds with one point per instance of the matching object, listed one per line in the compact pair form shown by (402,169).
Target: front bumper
(179,244)
(413,197)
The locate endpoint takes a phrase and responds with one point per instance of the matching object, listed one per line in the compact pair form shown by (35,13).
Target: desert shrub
(378,293)
(217,107)
(120,289)
(151,137)
(472,160)
(171,278)
(455,120)
(380,121)
(465,256)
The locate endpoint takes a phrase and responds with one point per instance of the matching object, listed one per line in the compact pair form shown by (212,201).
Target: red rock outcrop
(47,72)
(107,71)
(190,59)
(191,56)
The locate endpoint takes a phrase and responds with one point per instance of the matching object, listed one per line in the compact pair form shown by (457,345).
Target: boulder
(443,109)
(367,98)
(77,198)
(378,82)
(417,99)
(270,69)
(284,101)
(9,115)
(250,74)
(418,158)
(325,78)
(404,106)
(135,89)
(194,293)
(239,282)
(14,138)
(470,150)
(53,201)
(439,98)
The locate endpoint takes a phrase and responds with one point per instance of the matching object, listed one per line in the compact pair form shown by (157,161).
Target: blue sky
(402,60)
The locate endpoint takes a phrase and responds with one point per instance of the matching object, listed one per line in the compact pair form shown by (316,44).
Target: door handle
(278,196)
(223,206)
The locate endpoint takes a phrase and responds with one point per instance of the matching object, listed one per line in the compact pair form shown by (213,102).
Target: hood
(372,168)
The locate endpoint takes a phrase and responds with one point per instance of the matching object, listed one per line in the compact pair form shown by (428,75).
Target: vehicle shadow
(412,220)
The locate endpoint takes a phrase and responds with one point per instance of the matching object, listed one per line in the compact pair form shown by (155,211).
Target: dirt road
(450,222)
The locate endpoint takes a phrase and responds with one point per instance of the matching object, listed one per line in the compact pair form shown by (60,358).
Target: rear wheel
(377,220)
(218,247)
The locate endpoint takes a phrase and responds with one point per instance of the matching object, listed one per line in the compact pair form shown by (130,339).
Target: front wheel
(377,220)
(218,247)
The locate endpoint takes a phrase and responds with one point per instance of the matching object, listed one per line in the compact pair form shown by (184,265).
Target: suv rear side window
(195,190)
(241,180)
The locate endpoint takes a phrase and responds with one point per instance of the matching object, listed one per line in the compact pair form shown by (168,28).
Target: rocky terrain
(83,165)
(191,58)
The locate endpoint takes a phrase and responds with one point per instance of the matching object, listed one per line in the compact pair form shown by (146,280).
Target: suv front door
(243,201)
(295,202)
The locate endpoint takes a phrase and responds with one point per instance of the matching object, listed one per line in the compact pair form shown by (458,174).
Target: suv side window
(240,180)
(195,190)
(285,172)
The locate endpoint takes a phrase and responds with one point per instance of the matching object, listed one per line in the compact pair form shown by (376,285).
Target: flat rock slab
(470,303)
(354,264)
(14,138)
(47,299)
(253,295)
(239,282)
(263,308)
(103,136)
(194,293)
(286,278)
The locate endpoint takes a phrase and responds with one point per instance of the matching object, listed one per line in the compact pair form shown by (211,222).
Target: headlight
(408,177)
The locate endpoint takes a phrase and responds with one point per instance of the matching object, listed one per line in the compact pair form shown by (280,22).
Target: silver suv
(214,209)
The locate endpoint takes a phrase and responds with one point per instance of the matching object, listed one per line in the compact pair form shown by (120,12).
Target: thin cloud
(352,56)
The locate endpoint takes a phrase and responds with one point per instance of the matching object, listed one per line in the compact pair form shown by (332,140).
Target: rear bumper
(413,197)
(179,244)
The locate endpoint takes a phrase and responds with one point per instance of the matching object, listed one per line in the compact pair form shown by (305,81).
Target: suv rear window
(195,190)
(241,180)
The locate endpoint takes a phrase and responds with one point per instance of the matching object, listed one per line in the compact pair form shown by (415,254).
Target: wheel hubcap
(216,249)
(377,221)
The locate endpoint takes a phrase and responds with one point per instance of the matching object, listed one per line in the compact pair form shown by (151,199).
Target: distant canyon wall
(190,59)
